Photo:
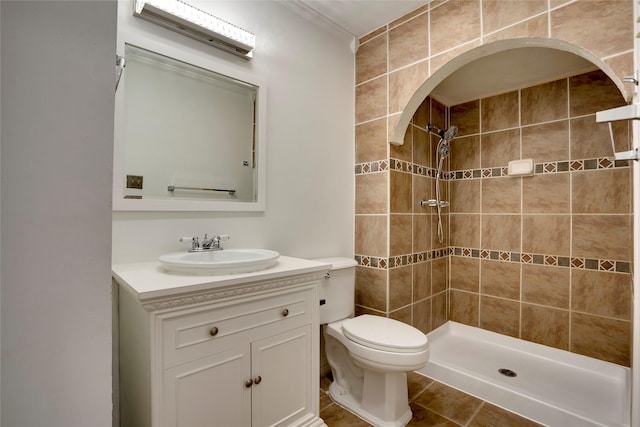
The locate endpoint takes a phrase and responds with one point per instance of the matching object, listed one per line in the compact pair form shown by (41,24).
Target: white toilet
(369,355)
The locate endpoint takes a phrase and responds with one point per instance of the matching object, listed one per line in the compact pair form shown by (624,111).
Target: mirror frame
(181,53)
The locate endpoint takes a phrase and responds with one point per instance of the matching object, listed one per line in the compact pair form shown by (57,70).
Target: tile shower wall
(545,258)
(404,270)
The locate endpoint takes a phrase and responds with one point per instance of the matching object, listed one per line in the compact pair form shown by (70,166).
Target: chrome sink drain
(507,372)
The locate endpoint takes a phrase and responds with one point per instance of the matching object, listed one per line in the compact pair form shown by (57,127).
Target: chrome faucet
(208,244)
(212,244)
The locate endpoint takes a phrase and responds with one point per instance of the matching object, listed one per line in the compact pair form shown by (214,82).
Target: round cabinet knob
(257,380)
(213,331)
(285,312)
(248,383)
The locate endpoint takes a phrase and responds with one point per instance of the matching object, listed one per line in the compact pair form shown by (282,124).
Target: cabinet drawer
(198,334)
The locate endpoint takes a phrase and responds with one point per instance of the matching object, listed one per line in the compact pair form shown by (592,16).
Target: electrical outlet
(134,181)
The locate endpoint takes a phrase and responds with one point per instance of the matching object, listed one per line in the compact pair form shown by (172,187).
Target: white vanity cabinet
(221,351)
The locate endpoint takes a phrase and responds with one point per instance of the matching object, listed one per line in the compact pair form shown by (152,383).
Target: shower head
(449,134)
(446,135)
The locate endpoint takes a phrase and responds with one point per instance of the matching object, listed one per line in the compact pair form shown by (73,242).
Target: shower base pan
(550,386)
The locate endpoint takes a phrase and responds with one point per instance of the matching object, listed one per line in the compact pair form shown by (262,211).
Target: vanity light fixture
(192,22)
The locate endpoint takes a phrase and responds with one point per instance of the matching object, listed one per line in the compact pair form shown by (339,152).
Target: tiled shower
(546,257)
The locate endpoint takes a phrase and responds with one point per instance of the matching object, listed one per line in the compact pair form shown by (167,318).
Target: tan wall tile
(371,193)
(422,115)
(501,195)
(371,141)
(400,288)
(465,153)
(392,123)
(590,139)
(604,294)
(441,59)
(594,236)
(545,325)
(463,15)
(372,34)
(400,192)
(610,29)
(500,315)
(501,232)
(465,274)
(422,190)
(421,316)
(464,230)
(371,235)
(622,65)
(602,237)
(546,234)
(400,235)
(438,114)
(545,102)
(593,92)
(439,269)
(547,142)
(371,288)
(421,233)
(439,310)
(546,285)
(409,42)
(464,196)
(500,112)
(435,242)
(402,315)
(534,27)
(606,339)
(421,280)
(466,117)
(464,307)
(371,100)
(497,14)
(500,279)
(601,191)
(422,147)
(546,194)
(371,59)
(405,150)
(404,83)
(408,16)
(499,148)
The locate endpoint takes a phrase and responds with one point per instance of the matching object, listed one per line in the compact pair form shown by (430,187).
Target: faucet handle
(224,237)
(195,244)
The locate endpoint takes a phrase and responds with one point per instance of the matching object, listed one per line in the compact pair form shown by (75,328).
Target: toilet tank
(337,290)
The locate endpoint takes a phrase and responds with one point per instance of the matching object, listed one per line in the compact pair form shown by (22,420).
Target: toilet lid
(384,334)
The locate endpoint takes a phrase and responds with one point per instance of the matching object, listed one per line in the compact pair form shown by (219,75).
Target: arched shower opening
(426,89)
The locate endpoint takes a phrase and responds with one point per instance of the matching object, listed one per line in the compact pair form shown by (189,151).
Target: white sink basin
(227,261)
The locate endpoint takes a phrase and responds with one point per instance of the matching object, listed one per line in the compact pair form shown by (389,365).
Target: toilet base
(377,405)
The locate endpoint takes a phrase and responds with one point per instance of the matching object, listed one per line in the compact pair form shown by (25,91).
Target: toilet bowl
(369,355)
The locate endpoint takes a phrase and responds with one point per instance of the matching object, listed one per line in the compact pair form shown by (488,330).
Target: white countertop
(148,281)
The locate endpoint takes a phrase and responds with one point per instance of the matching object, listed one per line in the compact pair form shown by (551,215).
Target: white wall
(309,69)
(58,76)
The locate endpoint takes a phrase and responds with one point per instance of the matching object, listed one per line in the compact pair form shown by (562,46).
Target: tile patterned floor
(433,404)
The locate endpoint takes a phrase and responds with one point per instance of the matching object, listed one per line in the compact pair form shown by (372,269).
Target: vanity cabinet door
(209,392)
(281,371)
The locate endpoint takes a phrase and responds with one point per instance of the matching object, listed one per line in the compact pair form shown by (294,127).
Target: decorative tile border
(382,263)
(501,171)
(544,259)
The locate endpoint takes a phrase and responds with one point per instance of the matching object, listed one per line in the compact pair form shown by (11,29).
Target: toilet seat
(384,334)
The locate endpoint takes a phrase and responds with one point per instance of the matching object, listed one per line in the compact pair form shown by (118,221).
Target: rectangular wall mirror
(189,136)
